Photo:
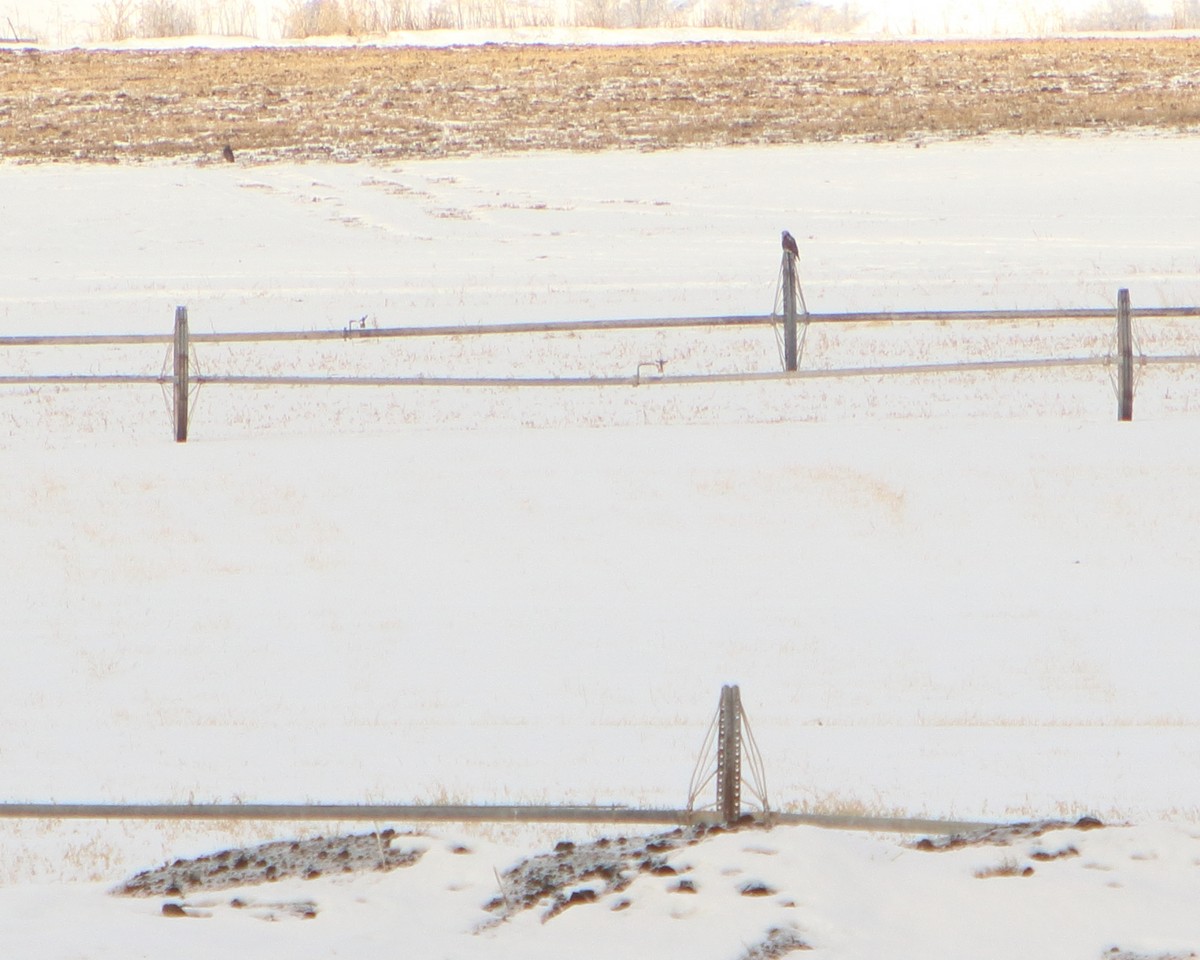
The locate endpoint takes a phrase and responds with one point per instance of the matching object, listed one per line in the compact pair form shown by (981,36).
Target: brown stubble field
(363,102)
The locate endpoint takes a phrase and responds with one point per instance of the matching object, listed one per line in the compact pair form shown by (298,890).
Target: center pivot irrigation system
(181,377)
(789,312)
(730,759)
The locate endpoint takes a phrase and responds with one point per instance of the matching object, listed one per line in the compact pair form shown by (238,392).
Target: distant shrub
(165,18)
(1124,15)
(782,14)
(124,19)
(1185,14)
(228,18)
(115,20)
(314,18)
(309,18)
(324,18)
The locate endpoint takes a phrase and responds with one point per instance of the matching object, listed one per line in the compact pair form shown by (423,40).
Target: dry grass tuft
(1006,868)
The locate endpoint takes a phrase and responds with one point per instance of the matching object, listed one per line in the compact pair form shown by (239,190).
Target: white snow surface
(968,595)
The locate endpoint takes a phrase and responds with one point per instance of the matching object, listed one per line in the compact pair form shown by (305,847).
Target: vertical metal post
(181,375)
(789,310)
(729,754)
(1124,357)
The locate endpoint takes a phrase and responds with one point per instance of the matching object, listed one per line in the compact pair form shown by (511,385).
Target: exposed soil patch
(1046,856)
(575,873)
(1010,868)
(395,102)
(268,862)
(585,873)
(1007,834)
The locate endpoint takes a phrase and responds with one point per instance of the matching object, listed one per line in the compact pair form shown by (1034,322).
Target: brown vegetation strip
(388,103)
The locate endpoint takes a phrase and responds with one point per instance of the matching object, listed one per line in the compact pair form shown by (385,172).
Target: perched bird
(789,244)
(227,153)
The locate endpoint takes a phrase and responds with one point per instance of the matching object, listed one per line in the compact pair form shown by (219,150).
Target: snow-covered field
(966,595)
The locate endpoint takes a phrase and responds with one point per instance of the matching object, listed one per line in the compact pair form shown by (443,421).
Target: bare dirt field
(364,102)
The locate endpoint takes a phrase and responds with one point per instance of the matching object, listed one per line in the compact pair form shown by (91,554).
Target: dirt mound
(247,866)
(574,873)
(1005,834)
(569,875)
(585,873)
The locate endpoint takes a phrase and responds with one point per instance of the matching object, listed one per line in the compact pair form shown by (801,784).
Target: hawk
(227,153)
(789,244)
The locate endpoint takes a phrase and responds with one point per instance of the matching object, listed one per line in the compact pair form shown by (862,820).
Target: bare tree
(405,14)
(598,13)
(165,18)
(823,18)
(439,16)
(645,13)
(779,14)
(115,19)
(1185,14)
(312,18)
(1117,15)
(229,18)
(1042,19)
(364,16)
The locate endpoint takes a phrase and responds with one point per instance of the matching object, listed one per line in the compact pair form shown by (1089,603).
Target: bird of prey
(227,153)
(789,244)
